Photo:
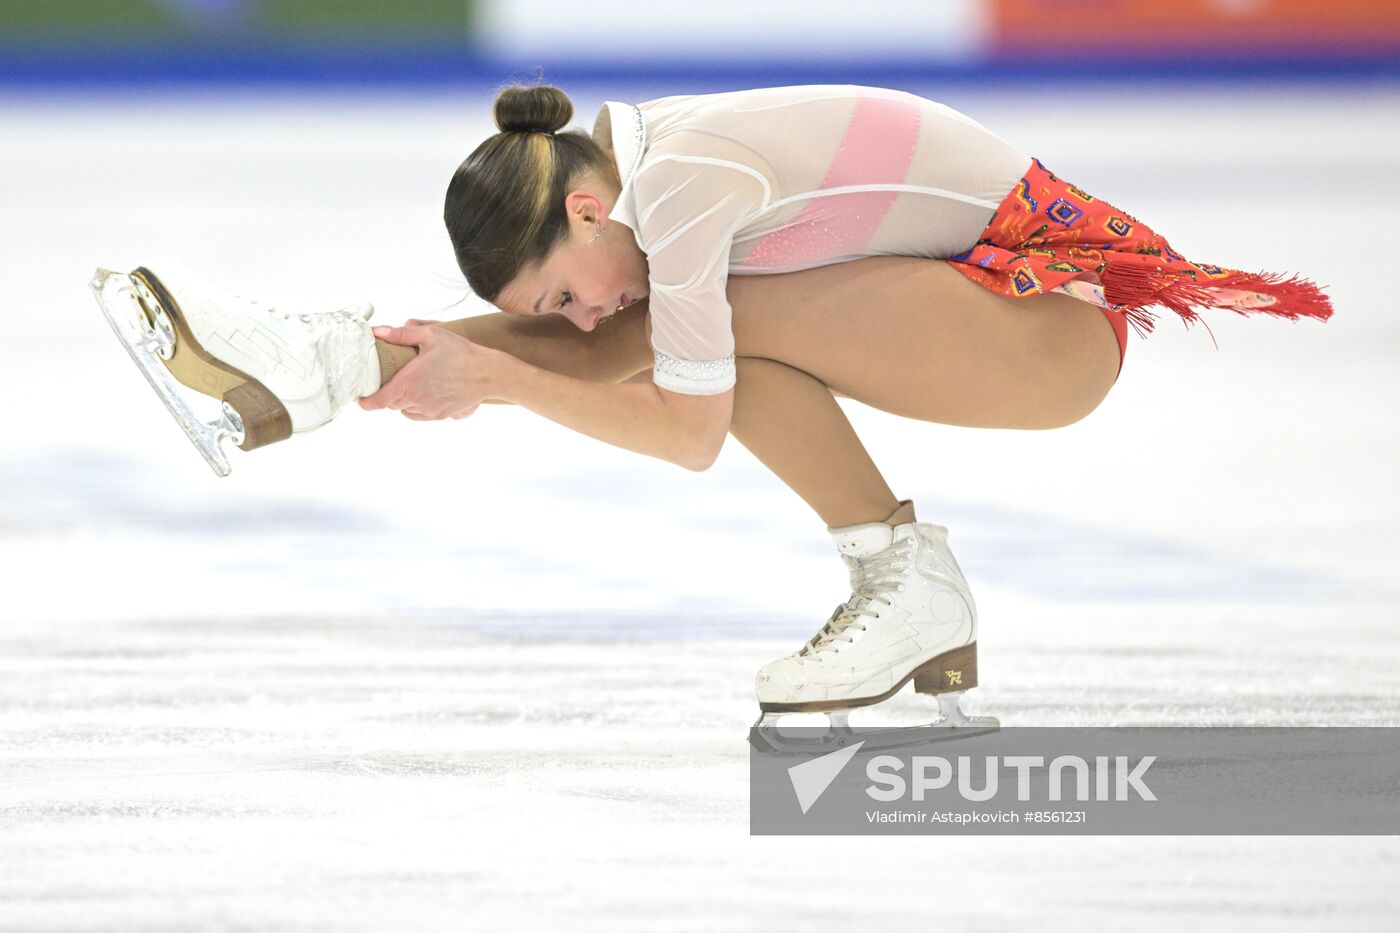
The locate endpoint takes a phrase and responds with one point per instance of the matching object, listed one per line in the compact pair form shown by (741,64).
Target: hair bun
(534,108)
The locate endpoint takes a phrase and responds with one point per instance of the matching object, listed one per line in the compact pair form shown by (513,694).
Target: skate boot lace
(337,318)
(879,574)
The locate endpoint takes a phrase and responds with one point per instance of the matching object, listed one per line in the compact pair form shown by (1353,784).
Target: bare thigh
(916,338)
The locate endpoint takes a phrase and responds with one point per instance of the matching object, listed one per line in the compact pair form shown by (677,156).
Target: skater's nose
(592,316)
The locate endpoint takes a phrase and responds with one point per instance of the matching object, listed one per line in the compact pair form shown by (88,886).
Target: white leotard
(780,179)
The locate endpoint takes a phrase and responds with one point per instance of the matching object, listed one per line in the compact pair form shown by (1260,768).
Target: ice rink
(490,674)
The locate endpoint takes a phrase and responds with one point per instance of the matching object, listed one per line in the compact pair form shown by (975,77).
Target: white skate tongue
(857,541)
(862,540)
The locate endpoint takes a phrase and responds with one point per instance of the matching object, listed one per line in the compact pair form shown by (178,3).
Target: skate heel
(951,671)
(265,419)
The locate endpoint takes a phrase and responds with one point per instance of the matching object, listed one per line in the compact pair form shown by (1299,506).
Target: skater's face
(589,275)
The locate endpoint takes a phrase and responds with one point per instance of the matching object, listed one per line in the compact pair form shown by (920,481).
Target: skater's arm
(637,415)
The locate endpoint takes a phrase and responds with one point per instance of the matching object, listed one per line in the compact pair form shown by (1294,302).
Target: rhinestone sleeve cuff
(693,377)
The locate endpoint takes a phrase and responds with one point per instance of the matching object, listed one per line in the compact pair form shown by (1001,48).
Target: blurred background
(393,674)
(451,41)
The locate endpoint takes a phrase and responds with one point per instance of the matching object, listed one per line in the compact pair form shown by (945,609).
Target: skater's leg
(909,336)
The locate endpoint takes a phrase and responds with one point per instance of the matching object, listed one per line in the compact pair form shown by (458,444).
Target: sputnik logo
(811,778)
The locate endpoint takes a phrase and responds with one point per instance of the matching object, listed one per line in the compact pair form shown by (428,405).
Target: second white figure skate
(274,372)
(910,616)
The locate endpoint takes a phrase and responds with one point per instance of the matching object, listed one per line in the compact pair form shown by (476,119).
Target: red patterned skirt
(1048,235)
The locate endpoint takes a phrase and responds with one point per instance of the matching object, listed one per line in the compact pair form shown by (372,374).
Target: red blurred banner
(1055,27)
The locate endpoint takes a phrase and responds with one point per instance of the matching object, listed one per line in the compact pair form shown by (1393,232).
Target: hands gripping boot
(274,372)
(910,616)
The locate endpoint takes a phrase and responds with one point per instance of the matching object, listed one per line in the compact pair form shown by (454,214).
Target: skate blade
(952,723)
(148,342)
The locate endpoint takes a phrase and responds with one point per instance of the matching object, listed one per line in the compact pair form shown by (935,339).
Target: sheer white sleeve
(688,208)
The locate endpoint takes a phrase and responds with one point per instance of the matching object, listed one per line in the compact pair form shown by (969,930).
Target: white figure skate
(911,616)
(274,372)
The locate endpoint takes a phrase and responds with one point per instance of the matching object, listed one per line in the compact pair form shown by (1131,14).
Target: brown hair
(505,203)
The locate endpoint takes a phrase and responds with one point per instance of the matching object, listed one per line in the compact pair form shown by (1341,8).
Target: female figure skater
(730,264)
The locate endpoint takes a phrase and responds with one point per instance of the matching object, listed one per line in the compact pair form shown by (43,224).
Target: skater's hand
(448,378)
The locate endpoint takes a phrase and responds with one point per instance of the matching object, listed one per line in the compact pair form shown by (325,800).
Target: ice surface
(488,673)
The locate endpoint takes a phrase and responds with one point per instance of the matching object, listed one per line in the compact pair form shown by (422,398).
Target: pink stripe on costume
(877,148)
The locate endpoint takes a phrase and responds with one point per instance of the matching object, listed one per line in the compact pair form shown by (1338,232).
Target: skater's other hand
(448,378)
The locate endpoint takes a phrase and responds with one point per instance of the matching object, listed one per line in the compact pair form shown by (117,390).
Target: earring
(598,234)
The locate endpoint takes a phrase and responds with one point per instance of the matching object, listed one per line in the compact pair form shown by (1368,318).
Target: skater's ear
(505,205)
(584,208)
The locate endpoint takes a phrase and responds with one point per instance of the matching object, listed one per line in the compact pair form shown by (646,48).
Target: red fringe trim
(1138,285)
